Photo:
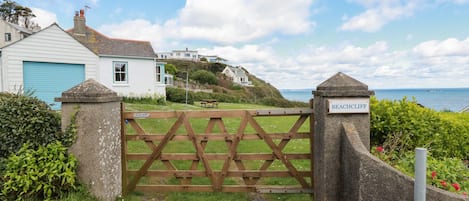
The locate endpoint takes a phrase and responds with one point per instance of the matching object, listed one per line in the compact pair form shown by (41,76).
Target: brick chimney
(79,23)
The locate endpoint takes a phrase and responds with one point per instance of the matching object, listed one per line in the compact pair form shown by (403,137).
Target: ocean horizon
(454,99)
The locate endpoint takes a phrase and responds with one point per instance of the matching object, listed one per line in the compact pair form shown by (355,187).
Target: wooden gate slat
(277,152)
(283,143)
(156,153)
(234,146)
(227,162)
(200,152)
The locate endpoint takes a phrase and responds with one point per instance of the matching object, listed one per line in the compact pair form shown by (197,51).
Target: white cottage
(128,67)
(237,75)
(47,62)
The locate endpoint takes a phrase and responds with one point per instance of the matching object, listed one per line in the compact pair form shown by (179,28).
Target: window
(7,37)
(120,72)
(187,55)
(158,73)
(168,80)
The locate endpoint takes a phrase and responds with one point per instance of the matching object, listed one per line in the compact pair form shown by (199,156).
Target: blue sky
(298,43)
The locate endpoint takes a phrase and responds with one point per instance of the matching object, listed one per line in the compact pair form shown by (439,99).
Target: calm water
(438,99)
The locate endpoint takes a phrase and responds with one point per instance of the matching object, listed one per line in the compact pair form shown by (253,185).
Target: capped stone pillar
(98,141)
(340,98)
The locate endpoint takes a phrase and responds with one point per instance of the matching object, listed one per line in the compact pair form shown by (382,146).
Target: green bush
(179,95)
(45,173)
(26,119)
(403,125)
(236,87)
(145,100)
(171,69)
(204,77)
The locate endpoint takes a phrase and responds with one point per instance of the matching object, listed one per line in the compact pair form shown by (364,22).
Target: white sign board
(351,105)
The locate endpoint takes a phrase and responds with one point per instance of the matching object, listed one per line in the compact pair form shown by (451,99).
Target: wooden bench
(209,103)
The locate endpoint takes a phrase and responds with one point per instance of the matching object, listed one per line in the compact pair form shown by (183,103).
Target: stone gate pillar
(338,99)
(98,143)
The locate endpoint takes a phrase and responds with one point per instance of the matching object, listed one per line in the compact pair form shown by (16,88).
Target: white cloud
(378,13)
(376,64)
(239,21)
(43,17)
(449,47)
(231,21)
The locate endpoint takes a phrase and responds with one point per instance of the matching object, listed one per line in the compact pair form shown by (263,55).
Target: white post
(187,83)
(420,185)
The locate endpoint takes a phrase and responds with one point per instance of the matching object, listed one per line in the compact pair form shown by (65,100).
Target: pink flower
(443,183)
(433,174)
(379,149)
(456,186)
(465,194)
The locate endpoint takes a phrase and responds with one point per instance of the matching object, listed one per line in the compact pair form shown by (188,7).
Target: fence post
(420,185)
(98,141)
(338,99)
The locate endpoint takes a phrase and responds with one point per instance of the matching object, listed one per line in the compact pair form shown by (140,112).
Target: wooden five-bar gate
(195,151)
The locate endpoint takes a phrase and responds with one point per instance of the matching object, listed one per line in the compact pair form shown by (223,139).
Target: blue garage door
(49,80)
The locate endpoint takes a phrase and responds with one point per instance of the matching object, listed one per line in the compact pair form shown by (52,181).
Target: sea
(452,99)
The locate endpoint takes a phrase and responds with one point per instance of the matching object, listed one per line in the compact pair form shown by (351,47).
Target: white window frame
(125,72)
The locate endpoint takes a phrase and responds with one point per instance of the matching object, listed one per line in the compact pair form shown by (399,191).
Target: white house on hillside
(237,75)
(187,54)
(192,55)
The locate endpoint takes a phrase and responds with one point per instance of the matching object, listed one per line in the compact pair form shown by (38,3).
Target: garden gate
(264,151)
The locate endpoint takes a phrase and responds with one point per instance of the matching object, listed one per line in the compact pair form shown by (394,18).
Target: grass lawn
(269,124)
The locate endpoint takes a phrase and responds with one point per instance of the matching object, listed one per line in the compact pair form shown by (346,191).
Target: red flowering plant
(379,152)
(449,174)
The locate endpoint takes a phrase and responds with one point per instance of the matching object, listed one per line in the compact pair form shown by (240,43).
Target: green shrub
(171,69)
(401,126)
(45,173)
(145,100)
(179,95)
(442,173)
(236,87)
(204,77)
(26,119)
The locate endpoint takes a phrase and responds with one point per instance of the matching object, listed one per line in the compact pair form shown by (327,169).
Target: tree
(14,13)
(171,69)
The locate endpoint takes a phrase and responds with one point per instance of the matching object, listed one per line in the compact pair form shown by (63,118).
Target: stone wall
(365,177)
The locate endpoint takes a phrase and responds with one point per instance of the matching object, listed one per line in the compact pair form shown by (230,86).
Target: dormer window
(7,37)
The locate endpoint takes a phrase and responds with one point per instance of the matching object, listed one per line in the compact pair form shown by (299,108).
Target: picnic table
(209,103)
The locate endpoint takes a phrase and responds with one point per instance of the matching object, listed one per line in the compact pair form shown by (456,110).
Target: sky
(295,44)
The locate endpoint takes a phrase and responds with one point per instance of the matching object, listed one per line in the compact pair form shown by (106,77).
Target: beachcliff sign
(351,105)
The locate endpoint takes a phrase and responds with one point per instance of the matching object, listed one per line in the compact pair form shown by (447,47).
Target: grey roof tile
(103,45)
